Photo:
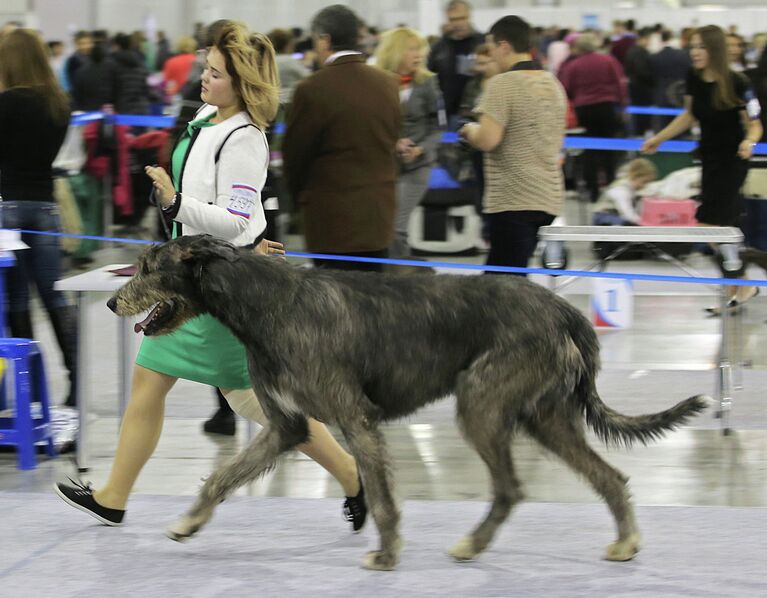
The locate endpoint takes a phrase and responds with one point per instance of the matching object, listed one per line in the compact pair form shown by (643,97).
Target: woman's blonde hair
(715,42)
(641,168)
(186,45)
(24,63)
(394,45)
(250,62)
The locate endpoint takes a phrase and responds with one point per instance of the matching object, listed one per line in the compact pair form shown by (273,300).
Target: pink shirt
(593,79)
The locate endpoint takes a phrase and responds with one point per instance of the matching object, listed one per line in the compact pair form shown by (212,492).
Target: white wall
(749,20)
(58,18)
(264,15)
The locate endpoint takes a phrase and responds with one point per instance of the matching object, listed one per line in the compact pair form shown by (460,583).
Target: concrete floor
(670,333)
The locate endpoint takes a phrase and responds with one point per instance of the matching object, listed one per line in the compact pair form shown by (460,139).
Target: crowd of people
(364,114)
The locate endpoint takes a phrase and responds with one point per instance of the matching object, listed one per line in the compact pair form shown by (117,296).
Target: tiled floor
(670,332)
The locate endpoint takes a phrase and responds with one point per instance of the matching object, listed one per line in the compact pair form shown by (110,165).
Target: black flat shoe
(80,496)
(356,510)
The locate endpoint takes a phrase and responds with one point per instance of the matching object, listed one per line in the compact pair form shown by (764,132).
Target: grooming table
(727,241)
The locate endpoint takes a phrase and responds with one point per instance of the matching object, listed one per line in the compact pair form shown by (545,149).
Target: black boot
(222,421)
(64,321)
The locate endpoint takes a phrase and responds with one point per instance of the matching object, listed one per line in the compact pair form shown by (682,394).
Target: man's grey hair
(340,24)
(453,4)
(586,43)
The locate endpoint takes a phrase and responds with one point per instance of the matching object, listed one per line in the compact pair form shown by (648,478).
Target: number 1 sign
(612,303)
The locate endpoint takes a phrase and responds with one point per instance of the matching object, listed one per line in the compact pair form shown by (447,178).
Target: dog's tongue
(141,326)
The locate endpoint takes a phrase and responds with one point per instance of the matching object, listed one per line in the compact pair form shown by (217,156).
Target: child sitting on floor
(618,203)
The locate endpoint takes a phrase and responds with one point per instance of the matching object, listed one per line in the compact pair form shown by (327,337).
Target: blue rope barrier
(87,117)
(654,111)
(454,266)
(147,120)
(450,137)
(135,120)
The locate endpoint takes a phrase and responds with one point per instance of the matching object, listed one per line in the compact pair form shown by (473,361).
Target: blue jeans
(41,263)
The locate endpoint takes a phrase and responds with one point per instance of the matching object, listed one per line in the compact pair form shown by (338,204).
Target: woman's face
(411,58)
(734,49)
(217,87)
(698,53)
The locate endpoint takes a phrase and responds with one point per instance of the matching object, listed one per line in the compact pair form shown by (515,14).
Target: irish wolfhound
(358,349)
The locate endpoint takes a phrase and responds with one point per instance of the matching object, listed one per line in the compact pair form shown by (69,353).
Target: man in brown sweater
(339,146)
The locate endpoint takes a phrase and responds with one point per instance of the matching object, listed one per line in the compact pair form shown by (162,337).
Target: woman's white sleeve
(240,176)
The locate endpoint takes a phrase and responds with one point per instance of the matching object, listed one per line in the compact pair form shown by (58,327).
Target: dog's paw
(464,550)
(623,550)
(183,529)
(380,561)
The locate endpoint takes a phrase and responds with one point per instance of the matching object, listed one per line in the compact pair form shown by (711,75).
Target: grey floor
(667,355)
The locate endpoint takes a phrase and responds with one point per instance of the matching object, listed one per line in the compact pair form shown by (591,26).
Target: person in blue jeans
(34,116)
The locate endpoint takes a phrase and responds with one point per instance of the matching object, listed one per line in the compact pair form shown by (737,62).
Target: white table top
(100,279)
(643,234)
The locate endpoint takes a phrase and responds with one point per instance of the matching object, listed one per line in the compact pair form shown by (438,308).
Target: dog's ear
(204,248)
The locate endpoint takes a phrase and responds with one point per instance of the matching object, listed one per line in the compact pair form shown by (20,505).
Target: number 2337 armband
(242,200)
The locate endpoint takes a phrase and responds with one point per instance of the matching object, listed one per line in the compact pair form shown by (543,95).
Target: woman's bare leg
(139,434)
(322,446)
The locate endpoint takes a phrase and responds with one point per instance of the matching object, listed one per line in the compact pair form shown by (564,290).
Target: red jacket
(593,79)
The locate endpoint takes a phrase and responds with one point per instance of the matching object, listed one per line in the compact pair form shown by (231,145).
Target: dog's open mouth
(160,314)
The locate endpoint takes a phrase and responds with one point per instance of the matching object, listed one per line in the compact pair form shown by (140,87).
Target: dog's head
(167,283)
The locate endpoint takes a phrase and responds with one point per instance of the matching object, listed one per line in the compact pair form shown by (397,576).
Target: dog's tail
(618,429)
(613,427)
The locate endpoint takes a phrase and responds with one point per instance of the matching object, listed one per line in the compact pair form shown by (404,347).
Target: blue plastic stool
(26,361)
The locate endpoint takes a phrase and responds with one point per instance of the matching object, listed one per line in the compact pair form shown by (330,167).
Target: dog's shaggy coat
(357,349)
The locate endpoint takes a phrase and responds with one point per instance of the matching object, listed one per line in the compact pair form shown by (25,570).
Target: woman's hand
(746,150)
(412,154)
(651,145)
(164,190)
(403,147)
(270,248)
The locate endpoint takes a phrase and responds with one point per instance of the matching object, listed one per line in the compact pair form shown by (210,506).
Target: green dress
(203,349)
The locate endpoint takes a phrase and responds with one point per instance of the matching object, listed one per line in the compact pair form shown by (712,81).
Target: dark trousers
(363,266)
(599,120)
(41,263)
(640,123)
(513,237)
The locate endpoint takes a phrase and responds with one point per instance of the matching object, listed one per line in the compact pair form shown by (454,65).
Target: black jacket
(640,74)
(452,61)
(94,85)
(131,89)
(669,66)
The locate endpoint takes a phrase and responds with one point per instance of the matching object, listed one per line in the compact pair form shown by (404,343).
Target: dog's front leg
(368,446)
(249,464)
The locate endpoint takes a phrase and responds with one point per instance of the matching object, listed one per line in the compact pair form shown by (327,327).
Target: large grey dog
(358,349)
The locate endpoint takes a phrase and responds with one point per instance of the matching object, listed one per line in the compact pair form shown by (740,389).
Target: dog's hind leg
(368,446)
(490,433)
(280,435)
(565,437)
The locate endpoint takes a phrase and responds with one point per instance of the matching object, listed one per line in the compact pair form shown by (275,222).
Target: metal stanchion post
(125,366)
(731,262)
(83,380)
